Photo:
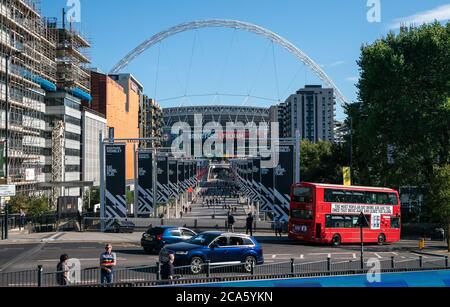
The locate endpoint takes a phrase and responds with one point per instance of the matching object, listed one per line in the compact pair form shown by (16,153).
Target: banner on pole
(347,176)
(116,205)
(284,178)
(145,183)
(173,178)
(162,164)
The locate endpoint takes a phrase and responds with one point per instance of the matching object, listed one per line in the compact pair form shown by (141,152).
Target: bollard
(39,277)
(420,262)
(158,271)
(446,261)
(392,262)
(329,264)
(208,268)
(292,266)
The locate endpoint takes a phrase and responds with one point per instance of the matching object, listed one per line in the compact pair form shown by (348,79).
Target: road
(17,257)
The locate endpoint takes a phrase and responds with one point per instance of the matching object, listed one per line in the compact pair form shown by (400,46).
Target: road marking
(274,256)
(302,256)
(24,255)
(396,254)
(81,259)
(378,256)
(354,255)
(53,237)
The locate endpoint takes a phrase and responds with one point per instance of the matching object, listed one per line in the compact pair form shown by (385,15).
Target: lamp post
(362,223)
(351,150)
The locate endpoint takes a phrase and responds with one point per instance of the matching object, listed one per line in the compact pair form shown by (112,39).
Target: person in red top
(108,261)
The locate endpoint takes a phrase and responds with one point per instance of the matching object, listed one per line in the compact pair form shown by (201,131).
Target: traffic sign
(7,190)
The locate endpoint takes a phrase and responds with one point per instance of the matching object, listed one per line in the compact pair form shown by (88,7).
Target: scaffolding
(57,159)
(72,57)
(31,47)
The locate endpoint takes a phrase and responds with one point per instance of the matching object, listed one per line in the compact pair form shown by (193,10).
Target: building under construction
(30,48)
(47,80)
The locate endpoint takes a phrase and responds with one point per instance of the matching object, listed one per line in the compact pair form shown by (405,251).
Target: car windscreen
(154,231)
(202,239)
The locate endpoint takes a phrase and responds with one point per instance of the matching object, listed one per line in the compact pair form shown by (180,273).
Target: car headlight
(182,253)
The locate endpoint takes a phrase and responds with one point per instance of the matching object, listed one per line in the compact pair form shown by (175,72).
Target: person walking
(278,227)
(168,268)
(249,224)
(108,261)
(21,219)
(230,222)
(62,271)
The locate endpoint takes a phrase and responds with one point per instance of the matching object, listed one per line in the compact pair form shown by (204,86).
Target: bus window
(382,198)
(393,199)
(395,222)
(359,198)
(302,195)
(302,214)
(371,198)
(344,221)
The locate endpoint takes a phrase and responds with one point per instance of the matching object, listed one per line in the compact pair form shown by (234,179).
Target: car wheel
(336,241)
(196,265)
(381,239)
(248,263)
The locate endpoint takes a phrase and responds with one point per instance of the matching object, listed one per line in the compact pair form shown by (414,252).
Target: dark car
(154,239)
(217,247)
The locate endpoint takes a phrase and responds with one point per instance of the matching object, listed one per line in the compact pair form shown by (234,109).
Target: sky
(235,67)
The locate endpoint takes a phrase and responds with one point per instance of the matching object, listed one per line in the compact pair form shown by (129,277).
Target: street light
(362,223)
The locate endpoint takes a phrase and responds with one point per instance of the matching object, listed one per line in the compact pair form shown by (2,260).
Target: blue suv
(218,247)
(156,237)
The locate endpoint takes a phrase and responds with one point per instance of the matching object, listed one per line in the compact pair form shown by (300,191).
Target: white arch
(233,24)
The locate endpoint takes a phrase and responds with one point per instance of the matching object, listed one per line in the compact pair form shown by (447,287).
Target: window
(234,241)
(247,241)
(175,233)
(344,221)
(222,241)
(360,197)
(395,222)
(302,195)
(187,233)
(302,214)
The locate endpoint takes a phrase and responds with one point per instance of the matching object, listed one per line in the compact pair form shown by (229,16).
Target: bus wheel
(381,239)
(336,240)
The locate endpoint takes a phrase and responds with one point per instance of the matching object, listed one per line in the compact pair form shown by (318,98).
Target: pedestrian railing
(207,272)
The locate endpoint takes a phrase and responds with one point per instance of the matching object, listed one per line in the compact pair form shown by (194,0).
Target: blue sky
(232,62)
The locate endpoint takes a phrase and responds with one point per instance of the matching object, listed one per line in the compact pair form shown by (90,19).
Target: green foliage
(31,205)
(439,198)
(404,111)
(130,197)
(322,162)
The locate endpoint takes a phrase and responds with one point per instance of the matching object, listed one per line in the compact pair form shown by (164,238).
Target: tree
(94,198)
(401,121)
(322,162)
(31,205)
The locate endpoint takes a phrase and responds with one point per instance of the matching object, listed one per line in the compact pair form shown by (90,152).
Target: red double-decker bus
(330,214)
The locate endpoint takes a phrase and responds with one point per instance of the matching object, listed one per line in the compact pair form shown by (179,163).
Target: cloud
(334,64)
(337,63)
(352,79)
(441,13)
